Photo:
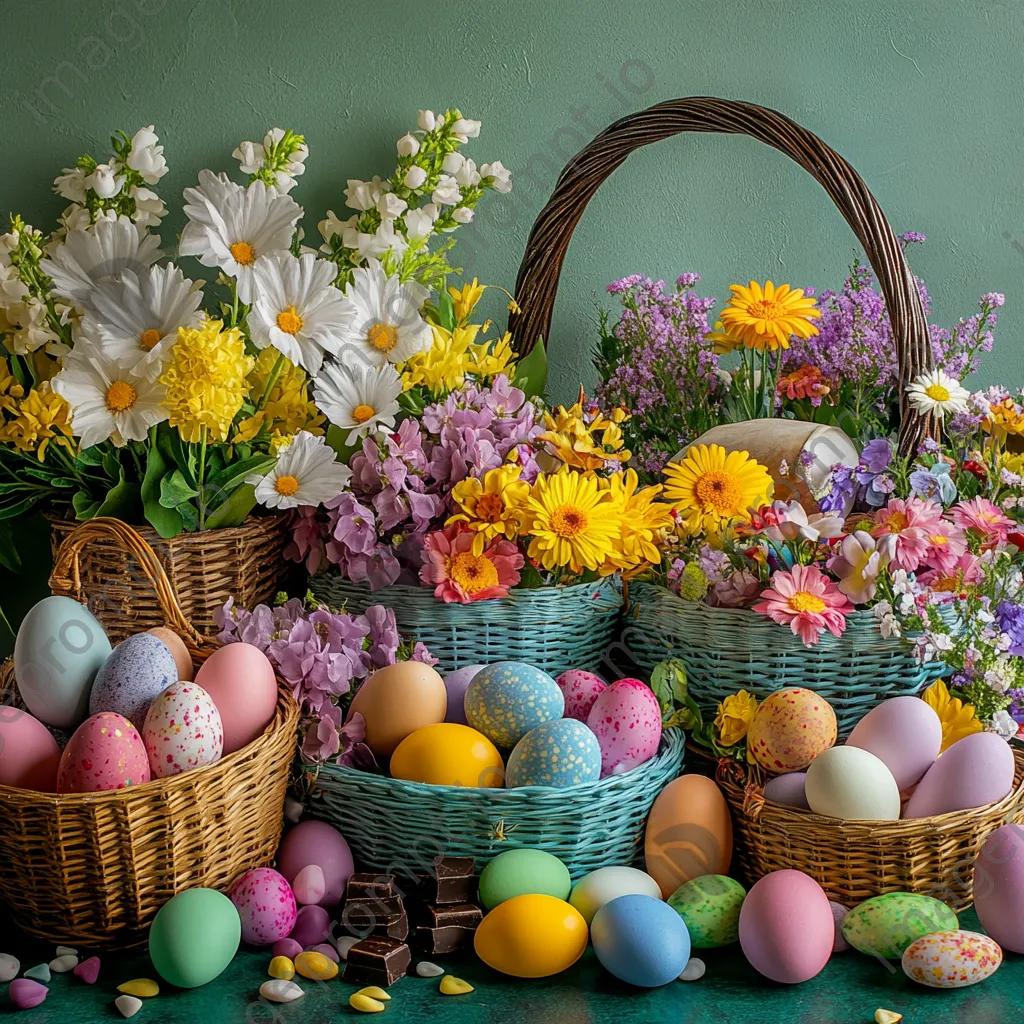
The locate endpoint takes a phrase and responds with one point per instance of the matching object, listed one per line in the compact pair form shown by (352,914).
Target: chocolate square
(454,915)
(365,885)
(375,917)
(444,940)
(454,881)
(377,961)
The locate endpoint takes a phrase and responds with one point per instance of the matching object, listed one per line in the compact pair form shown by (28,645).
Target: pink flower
(456,574)
(909,521)
(861,558)
(984,518)
(965,572)
(808,601)
(736,590)
(946,544)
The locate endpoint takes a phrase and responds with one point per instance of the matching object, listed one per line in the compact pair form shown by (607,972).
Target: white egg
(853,784)
(602,886)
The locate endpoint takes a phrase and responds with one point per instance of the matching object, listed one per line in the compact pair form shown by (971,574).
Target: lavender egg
(904,733)
(137,670)
(455,683)
(787,789)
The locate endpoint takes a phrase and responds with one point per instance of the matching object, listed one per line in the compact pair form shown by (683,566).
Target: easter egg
(265,904)
(59,649)
(790,728)
(531,936)
(455,685)
(952,959)
(182,659)
(885,925)
(312,926)
(182,730)
(194,937)
(105,752)
(640,940)
(839,912)
(29,755)
(710,909)
(787,789)
(904,733)
(523,873)
(240,680)
(508,699)
(973,772)
(689,833)
(448,754)
(396,701)
(626,719)
(786,927)
(137,670)
(602,886)
(559,754)
(999,887)
(580,689)
(852,784)
(316,842)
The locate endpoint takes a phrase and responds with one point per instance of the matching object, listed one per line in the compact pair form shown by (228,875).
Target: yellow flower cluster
(206,377)
(735,714)
(454,355)
(287,408)
(36,419)
(1004,419)
(587,440)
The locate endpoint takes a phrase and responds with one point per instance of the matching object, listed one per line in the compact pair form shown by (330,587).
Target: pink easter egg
(316,842)
(29,755)
(580,689)
(626,719)
(266,905)
(105,752)
(309,885)
(241,681)
(182,731)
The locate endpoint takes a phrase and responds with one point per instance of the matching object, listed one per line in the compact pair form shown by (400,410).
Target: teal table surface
(848,991)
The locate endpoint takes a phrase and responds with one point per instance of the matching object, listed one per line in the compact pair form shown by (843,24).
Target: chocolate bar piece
(443,940)
(385,916)
(364,885)
(454,880)
(377,961)
(453,915)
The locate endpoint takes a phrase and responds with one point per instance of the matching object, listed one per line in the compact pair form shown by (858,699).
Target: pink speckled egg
(790,729)
(580,689)
(626,719)
(266,904)
(183,730)
(105,752)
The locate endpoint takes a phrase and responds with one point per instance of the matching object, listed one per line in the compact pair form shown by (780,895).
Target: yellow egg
(790,729)
(447,754)
(396,701)
(531,937)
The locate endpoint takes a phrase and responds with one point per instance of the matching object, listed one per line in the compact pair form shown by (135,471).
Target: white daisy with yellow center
(307,472)
(357,397)
(936,392)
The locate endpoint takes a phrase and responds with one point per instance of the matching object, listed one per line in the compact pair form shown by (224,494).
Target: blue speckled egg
(506,700)
(562,753)
(138,669)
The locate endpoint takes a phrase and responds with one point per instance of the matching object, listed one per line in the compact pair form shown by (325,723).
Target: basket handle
(66,575)
(537,282)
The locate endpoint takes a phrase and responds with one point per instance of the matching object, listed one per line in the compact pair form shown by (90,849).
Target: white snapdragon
(426,120)
(465,128)
(467,175)
(408,145)
(414,178)
(70,184)
(105,180)
(419,225)
(330,226)
(75,218)
(146,156)
(452,162)
(249,156)
(446,192)
(462,215)
(150,209)
(363,195)
(390,206)
(497,176)
(32,330)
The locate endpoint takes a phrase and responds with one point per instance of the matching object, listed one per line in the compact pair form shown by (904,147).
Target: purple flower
(844,490)
(383,632)
(876,456)
(355,526)
(421,654)
(1010,619)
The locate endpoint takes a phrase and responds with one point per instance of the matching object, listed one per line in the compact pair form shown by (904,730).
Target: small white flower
(249,156)
(391,206)
(105,181)
(1004,725)
(307,472)
(937,393)
(331,226)
(497,176)
(363,195)
(71,184)
(30,329)
(465,128)
(146,156)
(374,246)
(467,175)
(408,145)
(75,218)
(150,209)
(415,177)
(447,191)
(426,120)
(462,215)
(452,162)
(357,397)
(419,224)
(901,582)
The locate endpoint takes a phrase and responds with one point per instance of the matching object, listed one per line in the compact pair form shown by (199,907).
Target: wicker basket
(204,569)
(400,827)
(93,869)
(552,628)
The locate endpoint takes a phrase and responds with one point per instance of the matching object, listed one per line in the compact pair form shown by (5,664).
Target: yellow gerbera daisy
(958,719)
(493,507)
(722,340)
(711,488)
(765,317)
(643,522)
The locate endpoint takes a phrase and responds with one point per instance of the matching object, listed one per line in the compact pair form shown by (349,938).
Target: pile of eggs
(507,724)
(102,718)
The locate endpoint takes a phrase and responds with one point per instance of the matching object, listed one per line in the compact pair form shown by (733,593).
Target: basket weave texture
(93,869)
(204,569)
(400,827)
(551,628)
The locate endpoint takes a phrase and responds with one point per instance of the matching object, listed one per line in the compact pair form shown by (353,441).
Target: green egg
(885,925)
(194,937)
(523,873)
(710,908)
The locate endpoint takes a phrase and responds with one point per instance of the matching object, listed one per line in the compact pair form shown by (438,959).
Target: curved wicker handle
(66,575)
(537,283)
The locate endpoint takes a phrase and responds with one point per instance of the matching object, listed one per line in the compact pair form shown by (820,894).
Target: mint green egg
(523,873)
(194,937)
(710,907)
(886,925)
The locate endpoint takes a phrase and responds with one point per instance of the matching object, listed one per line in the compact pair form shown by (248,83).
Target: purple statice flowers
(1010,619)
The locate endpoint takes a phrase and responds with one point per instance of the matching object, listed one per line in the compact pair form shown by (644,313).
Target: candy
(452,986)
(9,967)
(88,970)
(364,885)
(63,964)
(315,966)
(448,928)
(281,967)
(128,1005)
(41,973)
(280,990)
(375,992)
(312,925)
(364,1004)
(694,970)
(326,949)
(378,916)
(66,951)
(344,944)
(309,885)
(144,988)
(453,880)
(377,961)
(425,969)
(26,993)
(286,947)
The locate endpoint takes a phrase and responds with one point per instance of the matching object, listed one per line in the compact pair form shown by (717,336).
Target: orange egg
(790,729)
(689,833)
(182,659)
(448,754)
(396,701)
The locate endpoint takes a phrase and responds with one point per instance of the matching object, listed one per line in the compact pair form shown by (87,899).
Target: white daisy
(109,401)
(98,253)
(357,397)
(385,325)
(137,317)
(307,472)
(936,392)
(231,227)
(297,309)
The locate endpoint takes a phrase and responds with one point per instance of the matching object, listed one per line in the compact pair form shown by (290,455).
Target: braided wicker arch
(537,283)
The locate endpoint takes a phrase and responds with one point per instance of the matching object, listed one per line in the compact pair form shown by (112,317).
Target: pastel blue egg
(506,700)
(132,677)
(640,940)
(561,753)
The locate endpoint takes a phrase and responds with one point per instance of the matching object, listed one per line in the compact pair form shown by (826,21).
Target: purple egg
(286,947)
(974,771)
(266,905)
(455,683)
(839,912)
(787,789)
(904,733)
(312,926)
(316,842)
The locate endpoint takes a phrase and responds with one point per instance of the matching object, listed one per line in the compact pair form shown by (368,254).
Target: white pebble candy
(9,967)
(63,964)
(693,971)
(425,969)
(128,1006)
(344,944)
(66,951)
(281,991)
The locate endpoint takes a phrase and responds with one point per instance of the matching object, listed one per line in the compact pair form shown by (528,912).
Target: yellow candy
(281,967)
(143,988)
(364,1004)
(316,966)
(451,986)
(375,992)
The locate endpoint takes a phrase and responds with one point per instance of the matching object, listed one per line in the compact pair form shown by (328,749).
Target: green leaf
(90,456)
(166,521)
(122,501)
(178,453)
(19,508)
(336,440)
(9,557)
(530,578)
(111,465)
(175,490)
(63,481)
(235,510)
(532,371)
(446,311)
(220,485)
(85,505)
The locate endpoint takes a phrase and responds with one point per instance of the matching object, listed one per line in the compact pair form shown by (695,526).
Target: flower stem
(275,372)
(201,478)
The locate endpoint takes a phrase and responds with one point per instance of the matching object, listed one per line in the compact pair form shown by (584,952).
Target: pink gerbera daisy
(946,543)
(965,572)
(984,518)
(909,521)
(808,601)
(458,575)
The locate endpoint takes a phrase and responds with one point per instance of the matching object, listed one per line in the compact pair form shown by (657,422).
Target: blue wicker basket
(400,827)
(730,649)
(551,628)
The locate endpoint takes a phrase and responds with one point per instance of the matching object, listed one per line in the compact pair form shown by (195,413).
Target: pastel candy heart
(26,993)
(9,967)
(143,988)
(41,972)
(452,986)
(66,951)
(280,990)
(128,1005)
(88,970)
(309,885)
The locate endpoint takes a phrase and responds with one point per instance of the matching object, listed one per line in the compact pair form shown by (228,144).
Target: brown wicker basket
(204,569)
(93,869)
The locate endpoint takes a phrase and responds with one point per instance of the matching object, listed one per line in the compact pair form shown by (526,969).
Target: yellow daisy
(721,340)
(958,719)
(765,317)
(585,440)
(643,522)
(493,507)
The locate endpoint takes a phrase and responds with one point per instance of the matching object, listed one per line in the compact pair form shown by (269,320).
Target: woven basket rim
(251,523)
(410,591)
